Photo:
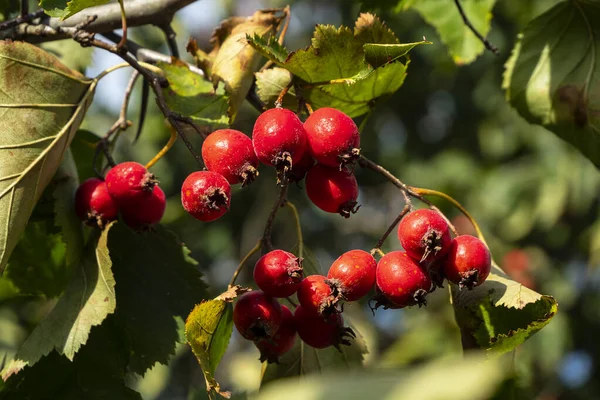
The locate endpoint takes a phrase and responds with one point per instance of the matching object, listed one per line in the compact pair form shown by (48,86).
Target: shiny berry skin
(229,152)
(424,235)
(279,138)
(468,262)
(402,280)
(321,332)
(283,340)
(278,273)
(332,137)
(206,195)
(256,315)
(93,204)
(354,272)
(129,183)
(301,168)
(332,190)
(318,295)
(146,212)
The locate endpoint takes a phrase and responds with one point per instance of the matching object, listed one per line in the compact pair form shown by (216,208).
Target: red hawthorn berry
(354,273)
(93,204)
(279,139)
(332,190)
(129,183)
(332,137)
(302,167)
(206,195)
(229,152)
(468,262)
(319,295)
(256,315)
(278,273)
(402,280)
(283,340)
(321,332)
(146,212)
(424,235)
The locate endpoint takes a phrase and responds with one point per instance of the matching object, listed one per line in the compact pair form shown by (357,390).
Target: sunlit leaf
(64,9)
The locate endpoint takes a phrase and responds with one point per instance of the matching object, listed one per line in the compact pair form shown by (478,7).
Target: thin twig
(466,21)
(11,23)
(123,42)
(170,36)
(164,150)
(242,263)
(389,230)
(267,245)
(298,228)
(24,7)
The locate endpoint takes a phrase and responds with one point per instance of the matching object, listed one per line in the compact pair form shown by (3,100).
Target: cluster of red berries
(129,189)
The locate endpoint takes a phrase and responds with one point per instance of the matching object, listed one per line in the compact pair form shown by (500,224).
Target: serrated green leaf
(441,379)
(87,301)
(268,47)
(381,54)
(158,284)
(191,95)
(500,314)
(270,83)
(38,125)
(553,75)
(64,9)
(463,45)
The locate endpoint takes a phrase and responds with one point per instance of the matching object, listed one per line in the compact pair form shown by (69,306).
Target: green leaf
(208,330)
(70,53)
(447,379)
(64,9)
(86,302)
(553,75)
(158,286)
(381,54)
(463,45)
(268,47)
(333,71)
(191,95)
(500,314)
(270,83)
(83,148)
(42,103)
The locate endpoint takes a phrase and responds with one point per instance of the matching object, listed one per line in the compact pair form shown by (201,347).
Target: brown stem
(170,35)
(267,245)
(123,42)
(242,263)
(282,94)
(11,23)
(466,21)
(389,230)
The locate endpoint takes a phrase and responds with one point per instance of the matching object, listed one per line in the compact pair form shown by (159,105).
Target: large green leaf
(64,9)
(501,313)
(87,301)
(462,43)
(553,76)
(470,377)
(42,103)
(334,70)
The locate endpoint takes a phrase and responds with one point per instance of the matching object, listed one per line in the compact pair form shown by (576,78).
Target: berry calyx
(279,139)
(332,190)
(283,340)
(354,273)
(146,212)
(424,235)
(206,195)
(229,152)
(93,204)
(332,137)
(301,168)
(402,280)
(278,273)
(319,295)
(321,332)
(256,315)
(468,262)
(130,182)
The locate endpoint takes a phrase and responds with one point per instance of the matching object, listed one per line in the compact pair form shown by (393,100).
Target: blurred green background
(448,128)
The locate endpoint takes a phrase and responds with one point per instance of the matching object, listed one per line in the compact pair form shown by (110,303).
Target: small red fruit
(278,273)
(256,315)
(401,280)
(130,182)
(279,139)
(146,212)
(229,152)
(332,190)
(424,235)
(354,273)
(93,204)
(206,195)
(468,262)
(282,342)
(332,137)
(302,167)
(321,332)
(319,295)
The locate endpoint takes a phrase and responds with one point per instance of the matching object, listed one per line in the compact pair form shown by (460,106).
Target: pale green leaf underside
(553,76)
(42,103)
(64,9)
